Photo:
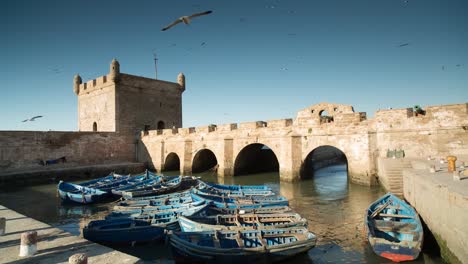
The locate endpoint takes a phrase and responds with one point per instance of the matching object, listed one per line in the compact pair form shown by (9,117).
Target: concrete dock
(53,245)
(442,203)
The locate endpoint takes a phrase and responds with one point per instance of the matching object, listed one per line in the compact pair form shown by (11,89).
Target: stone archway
(172,162)
(321,157)
(203,161)
(255,158)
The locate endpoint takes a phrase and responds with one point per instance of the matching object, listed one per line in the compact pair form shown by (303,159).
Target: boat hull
(185,251)
(394,229)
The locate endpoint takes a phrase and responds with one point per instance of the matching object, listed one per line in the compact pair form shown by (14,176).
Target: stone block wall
(146,102)
(439,133)
(24,149)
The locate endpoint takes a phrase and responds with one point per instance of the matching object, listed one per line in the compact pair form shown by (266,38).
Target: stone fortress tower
(119,102)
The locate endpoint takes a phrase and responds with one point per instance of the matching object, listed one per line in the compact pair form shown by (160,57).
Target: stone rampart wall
(25,149)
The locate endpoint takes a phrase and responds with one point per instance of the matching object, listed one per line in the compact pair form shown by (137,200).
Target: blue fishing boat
(79,194)
(136,183)
(165,186)
(239,222)
(240,246)
(156,197)
(125,205)
(154,209)
(235,190)
(122,231)
(96,183)
(138,228)
(394,229)
(251,202)
(213,210)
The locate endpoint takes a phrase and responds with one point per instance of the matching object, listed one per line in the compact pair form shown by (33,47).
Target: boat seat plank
(395,215)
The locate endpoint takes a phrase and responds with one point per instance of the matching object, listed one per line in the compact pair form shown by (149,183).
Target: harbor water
(333,206)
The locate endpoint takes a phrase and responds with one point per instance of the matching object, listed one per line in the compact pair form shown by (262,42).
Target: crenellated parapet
(128,103)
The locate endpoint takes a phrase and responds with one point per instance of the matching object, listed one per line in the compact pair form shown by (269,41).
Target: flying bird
(34,118)
(186,19)
(31,119)
(402,45)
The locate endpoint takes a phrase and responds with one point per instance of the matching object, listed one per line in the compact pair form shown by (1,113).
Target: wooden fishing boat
(109,179)
(165,186)
(197,208)
(394,229)
(240,246)
(137,182)
(131,200)
(154,209)
(79,194)
(122,231)
(239,222)
(213,210)
(125,206)
(241,202)
(235,190)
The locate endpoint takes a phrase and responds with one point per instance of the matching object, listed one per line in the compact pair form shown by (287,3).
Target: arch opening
(172,162)
(325,117)
(203,161)
(161,125)
(327,166)
(322,157)
(255,158)
(94,126)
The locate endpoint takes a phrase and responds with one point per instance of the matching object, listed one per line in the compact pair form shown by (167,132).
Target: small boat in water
(79,194)
(155,209)
(394,229)
(122,231)
(137,182)
(239,222)
(235,190)
(193,209)
(240,246)
(262,210)
(148,204)
(165,186)
(251,202)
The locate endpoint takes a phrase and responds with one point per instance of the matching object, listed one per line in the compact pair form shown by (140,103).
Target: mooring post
(28,245)
(80,258)
(451,163)
(2,225)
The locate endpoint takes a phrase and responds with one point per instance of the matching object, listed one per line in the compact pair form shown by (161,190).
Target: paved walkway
(54,245)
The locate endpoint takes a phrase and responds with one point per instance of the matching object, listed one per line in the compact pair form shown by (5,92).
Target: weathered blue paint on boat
(197,208)
(239,222)
(235,190)
(138,183)
(126,205)
(239,202)
(165,186)
(262,210)
(122,231)
(154,209)
(130,200)
(79,194)
(240,246)
(394,229)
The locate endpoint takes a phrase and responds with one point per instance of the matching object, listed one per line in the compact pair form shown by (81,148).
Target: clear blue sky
(338,51)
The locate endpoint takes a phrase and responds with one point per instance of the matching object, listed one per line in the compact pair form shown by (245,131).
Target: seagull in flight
(186,19)
(402,45)
(32,118)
